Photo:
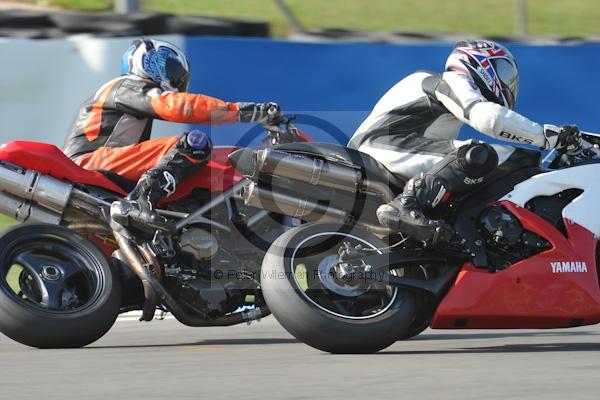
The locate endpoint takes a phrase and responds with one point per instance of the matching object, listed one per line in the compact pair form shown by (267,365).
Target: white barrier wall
(43,83)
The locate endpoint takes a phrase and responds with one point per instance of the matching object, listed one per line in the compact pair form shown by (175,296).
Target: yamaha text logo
(568,266)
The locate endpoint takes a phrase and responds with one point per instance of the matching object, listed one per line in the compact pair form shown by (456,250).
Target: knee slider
(195,144)
(166,179)
(477,159)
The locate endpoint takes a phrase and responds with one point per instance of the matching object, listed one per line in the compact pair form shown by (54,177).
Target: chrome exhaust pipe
(310,170)
(289,205)
(317,172)
(31,195)
(302,208)
(24,211)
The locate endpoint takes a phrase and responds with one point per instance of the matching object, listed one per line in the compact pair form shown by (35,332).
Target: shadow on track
(508,348)
(498,335)
(458,337)
(209,342)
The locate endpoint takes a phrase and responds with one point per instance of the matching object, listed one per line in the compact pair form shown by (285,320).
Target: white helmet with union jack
(491,66)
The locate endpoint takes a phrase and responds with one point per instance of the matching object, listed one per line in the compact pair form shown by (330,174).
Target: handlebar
(279,135)
(590,150)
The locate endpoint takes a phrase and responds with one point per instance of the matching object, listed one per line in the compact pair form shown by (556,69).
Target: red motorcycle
(526,257)
(67,273)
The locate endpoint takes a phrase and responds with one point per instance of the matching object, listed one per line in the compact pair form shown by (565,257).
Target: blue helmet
(159,61)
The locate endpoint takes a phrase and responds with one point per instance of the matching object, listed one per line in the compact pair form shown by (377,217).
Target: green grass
(13,273)
(487,17)
(78,4)
(6,221)
(301,274)
(12,278)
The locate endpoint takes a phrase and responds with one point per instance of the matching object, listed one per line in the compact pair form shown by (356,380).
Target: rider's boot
(459,172)
(189,154)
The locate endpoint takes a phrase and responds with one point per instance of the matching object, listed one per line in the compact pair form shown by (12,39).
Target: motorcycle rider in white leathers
(413,128)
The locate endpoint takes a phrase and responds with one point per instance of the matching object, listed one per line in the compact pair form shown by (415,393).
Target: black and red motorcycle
(66,274)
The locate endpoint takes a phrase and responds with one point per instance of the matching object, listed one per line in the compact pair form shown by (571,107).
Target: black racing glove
(266,113)
(569,140)
(565,139)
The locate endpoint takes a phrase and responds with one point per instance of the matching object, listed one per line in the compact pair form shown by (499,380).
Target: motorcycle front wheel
(57,289)
(332,311)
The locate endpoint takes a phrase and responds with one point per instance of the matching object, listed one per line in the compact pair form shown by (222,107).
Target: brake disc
(332,280)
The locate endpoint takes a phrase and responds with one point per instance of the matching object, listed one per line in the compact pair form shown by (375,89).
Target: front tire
(57,289)
(327,314)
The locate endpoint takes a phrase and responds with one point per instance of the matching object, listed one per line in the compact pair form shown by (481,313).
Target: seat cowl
(519,158)
(48,159)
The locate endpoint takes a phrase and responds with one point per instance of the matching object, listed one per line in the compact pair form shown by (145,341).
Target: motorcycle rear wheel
(326,313)
(57,289)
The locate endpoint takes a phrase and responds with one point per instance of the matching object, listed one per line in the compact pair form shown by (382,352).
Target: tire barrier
(73,23)
(148,23)
(247,27)
(359,36)
(32,33)
(24,19)
(41,25)
(201,26)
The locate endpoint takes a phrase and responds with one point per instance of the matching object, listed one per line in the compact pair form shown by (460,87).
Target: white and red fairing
(583,210)
(529,293)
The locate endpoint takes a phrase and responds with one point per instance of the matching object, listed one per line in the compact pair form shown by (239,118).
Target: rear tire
(416,328)
(423,307)
(57,289)
(313,323)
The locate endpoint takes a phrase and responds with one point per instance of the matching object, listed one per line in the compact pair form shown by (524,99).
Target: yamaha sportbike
(67,273)
(525,255)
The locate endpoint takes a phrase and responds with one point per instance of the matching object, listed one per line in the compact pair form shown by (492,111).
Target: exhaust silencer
(28,192)
(309,170)
(24,211)
(301,208)
(289,205)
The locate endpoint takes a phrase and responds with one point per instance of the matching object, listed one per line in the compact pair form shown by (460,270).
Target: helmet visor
(177,75)
(509,78)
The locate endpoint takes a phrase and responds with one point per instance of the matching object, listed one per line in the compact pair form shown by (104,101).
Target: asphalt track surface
(165,360)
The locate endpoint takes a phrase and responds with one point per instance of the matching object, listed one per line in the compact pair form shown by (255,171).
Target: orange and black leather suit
(111,132)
